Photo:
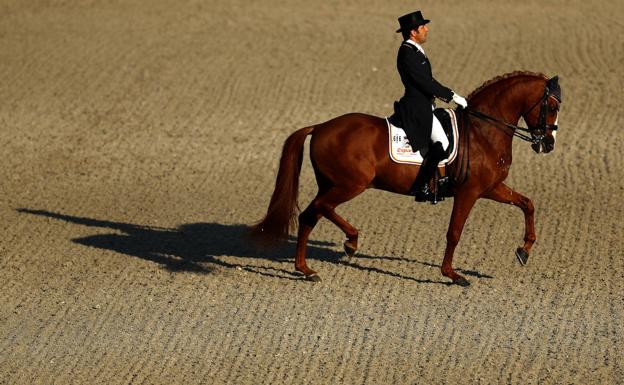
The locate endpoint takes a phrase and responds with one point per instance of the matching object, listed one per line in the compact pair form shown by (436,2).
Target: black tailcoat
(414,109)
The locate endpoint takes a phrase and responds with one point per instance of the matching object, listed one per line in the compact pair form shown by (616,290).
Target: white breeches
(437,133)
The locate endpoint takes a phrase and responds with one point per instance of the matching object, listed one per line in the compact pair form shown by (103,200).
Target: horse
(349,154)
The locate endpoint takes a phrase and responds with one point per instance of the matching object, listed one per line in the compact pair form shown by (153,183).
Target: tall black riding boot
(420,188)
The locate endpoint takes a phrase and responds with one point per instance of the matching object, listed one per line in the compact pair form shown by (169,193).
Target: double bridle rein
(536,133)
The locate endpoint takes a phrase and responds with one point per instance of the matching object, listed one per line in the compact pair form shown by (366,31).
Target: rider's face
(420,35)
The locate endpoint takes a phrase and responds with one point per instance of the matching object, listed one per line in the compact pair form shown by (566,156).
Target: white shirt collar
(412,42)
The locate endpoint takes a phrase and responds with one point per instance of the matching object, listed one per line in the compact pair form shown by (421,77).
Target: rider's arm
(416,68)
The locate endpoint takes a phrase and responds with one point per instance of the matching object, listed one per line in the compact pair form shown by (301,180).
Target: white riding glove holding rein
(460,100)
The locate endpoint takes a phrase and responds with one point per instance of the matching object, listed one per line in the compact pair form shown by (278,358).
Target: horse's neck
(505,106)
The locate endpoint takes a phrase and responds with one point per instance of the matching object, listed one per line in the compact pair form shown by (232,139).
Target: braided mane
(503,77)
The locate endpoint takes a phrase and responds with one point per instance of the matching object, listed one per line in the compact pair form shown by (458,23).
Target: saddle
(401,152)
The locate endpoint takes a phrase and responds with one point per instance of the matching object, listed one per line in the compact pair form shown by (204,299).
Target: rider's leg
(437,133)
(420,188)
(436,153)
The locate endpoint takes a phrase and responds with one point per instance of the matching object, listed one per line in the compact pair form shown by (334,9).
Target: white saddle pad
(401,152)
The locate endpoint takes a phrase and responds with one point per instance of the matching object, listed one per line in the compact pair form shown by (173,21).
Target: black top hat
(411,21)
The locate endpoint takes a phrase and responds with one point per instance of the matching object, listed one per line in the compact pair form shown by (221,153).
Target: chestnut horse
(349,154)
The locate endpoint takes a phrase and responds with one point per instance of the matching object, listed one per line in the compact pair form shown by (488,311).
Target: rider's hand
(460,100)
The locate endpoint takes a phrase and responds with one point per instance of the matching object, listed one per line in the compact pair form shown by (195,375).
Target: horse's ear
(554,81)
(553,86)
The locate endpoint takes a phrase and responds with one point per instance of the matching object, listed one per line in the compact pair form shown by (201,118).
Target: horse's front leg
(461,208)
(503,193)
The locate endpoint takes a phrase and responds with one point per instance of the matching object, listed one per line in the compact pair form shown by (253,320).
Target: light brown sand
(140,138)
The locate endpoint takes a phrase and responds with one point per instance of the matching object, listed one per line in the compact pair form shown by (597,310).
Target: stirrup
(443,186)
(425,195)
(434,196)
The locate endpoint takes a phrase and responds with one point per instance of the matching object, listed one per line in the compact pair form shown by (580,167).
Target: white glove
(460,100)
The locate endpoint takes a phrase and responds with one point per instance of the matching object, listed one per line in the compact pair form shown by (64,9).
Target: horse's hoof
(461,281)
(522,256)
(313,278)
(349,250)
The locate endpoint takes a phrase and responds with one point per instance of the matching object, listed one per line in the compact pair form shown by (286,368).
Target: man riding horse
(414,111)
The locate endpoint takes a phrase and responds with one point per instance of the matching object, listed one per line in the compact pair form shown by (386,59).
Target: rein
(520,135)
(532,137)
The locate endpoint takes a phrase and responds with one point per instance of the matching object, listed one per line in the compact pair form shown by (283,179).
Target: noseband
(537,133)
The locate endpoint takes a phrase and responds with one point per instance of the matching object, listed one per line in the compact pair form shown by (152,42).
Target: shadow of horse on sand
(199,247)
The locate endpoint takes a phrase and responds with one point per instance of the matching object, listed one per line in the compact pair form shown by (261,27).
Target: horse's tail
(281,215)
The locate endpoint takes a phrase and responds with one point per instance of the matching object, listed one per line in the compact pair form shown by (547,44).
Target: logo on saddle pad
(401,152)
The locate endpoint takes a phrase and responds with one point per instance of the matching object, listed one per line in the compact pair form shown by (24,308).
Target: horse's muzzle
(548,144)
(545,145)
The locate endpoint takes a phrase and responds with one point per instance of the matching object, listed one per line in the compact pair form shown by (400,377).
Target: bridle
(536,133)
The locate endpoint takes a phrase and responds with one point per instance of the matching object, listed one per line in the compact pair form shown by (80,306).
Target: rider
(415,109)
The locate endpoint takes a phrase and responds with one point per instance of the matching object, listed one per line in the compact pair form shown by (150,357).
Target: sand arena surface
(140,138)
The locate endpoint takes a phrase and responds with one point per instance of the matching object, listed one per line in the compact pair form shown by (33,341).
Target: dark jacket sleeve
(417,68)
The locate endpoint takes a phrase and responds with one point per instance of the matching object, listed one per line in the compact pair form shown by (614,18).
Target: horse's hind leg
(502,193)
(307,220)
(324,205)
(327,204)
